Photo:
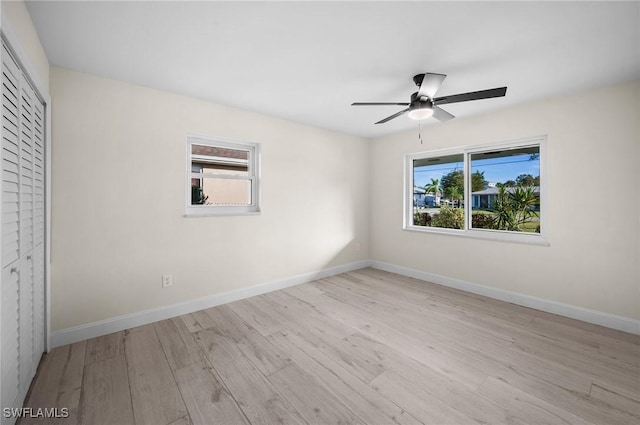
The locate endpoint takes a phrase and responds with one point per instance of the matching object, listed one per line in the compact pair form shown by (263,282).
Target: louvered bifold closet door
(11,76)
(23,216)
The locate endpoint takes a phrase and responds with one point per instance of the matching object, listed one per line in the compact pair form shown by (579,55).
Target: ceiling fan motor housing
(420,103)
(418,79)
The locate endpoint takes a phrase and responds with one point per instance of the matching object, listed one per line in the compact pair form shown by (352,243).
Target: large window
(223,177)
(491,191)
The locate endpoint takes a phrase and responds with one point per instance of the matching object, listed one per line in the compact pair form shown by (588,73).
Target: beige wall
(15,17)
(114,235)
(118,225)
(593,176)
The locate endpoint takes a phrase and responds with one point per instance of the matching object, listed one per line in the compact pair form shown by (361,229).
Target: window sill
(495,235)
(220,212)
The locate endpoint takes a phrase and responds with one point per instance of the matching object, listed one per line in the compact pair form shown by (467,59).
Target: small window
(223,177)
(493,192)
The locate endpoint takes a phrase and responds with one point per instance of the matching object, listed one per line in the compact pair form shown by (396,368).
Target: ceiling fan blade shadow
(389,118)
(430,84)
(378,103)
(474,95)
(442,115)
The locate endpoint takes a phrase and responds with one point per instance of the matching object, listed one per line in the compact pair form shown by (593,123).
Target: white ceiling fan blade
(430,85)
(442,115)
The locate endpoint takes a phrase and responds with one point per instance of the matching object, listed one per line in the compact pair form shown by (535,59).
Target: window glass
(226,192)
(505,192)
(438,191)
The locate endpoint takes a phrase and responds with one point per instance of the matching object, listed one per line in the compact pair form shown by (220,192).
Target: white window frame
(468,231)
(253,177)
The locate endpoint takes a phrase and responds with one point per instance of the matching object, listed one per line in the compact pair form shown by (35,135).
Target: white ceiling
(308,61)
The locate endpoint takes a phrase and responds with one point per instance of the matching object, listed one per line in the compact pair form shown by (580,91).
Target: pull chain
(420,131)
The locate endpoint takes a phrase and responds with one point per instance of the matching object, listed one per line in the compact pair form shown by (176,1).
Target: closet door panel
(10,335)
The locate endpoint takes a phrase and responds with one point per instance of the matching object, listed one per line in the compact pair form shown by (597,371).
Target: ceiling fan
(423,103)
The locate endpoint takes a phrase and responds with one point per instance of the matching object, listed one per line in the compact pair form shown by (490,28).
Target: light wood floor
(365,347)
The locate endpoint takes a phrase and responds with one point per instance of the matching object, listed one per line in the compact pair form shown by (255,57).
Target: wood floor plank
(252,313)
(416,315)
(104,347)
(301,315)
(185,420)
(206,398)
(590,327)
(526,405)
(365,402)
(437,384)
(621,400)
(106,398)
(469,301)
(191,323)
(155,395)
(426,305)
(178,343)
(328,336)
(264,355)
(606,372)
(590,409)
(554,341)
(273,315)
(312,400)
(419,403)
(259,400)
(58,382)
(614,348)
(201,320)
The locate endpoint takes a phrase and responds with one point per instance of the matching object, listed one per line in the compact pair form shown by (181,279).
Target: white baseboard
(620,323)
(115,324)
(104,327)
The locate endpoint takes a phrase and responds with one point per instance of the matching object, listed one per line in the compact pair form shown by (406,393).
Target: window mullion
(467,191)
(225,176)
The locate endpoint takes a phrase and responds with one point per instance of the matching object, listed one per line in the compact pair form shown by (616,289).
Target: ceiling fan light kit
(423,104)
(421,112)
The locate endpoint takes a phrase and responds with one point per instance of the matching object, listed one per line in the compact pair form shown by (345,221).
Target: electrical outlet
(167,280)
